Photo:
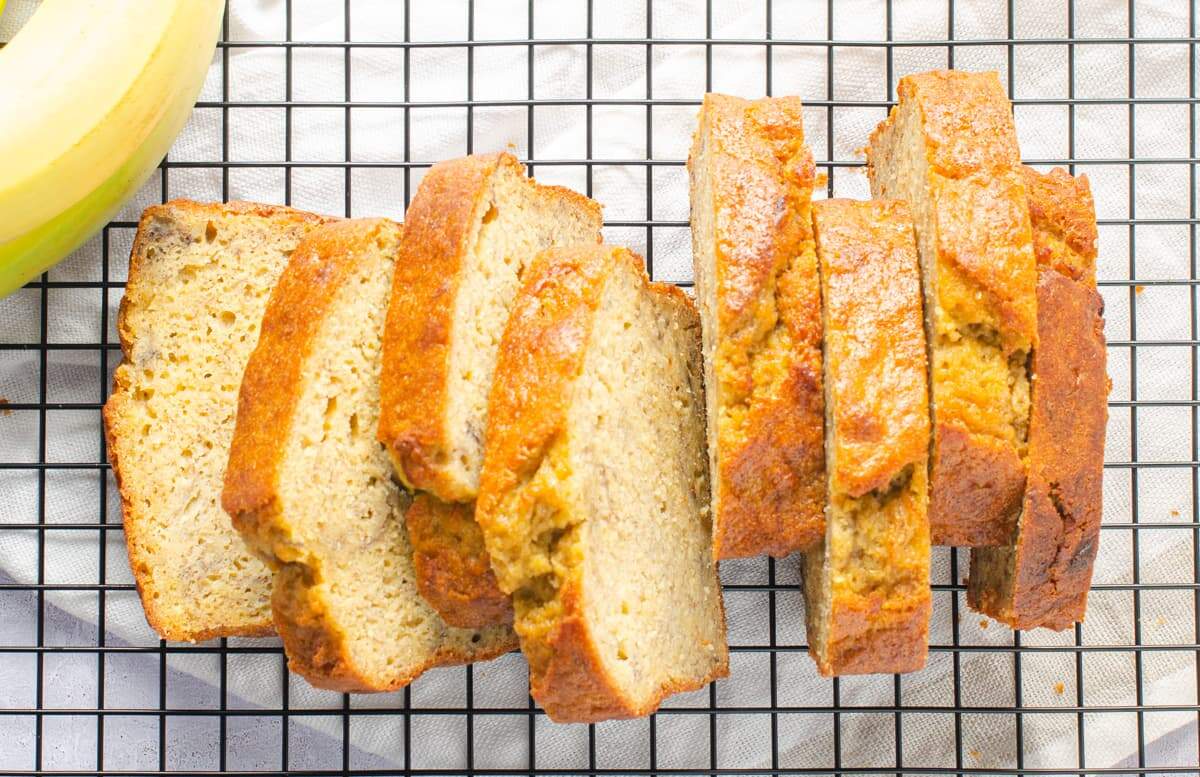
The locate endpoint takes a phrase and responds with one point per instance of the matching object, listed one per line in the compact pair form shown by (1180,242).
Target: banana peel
(92,94)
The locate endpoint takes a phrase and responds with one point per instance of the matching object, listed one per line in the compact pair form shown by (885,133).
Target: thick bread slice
(950,148)
(471,229)
(594,494)
(199,277)
(454,572)
(759,297)
(867,585)
(1042,577)
(310,488)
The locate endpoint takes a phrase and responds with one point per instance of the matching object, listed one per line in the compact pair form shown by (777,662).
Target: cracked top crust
(759,296)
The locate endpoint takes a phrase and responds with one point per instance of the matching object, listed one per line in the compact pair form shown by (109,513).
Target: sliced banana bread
(310,487)
(1042,577)
(594,493)
(199,277)
(454,572)
(471,228)
(759,297)
(949,148)
(867,584)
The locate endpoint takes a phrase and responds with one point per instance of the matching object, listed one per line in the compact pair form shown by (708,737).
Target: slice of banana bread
(594,494)
(454,572)
(310,487)
(199,277)
(1042,577)
(949,148)
(472,227)
(867,585)
(759,297)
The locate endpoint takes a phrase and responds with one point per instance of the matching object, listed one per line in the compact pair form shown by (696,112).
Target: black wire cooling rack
(68,709)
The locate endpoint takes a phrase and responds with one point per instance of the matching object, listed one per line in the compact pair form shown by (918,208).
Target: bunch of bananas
(92,94)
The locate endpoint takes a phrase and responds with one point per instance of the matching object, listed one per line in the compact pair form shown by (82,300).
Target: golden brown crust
(1044,580)
(540,355)
(454,572)
(416,342)
(416,339)
(872,290)
(984,293)
(140,561)
(975,488)
(984,235)
(769,478)
(878,598)
(967,120)
(1064,221)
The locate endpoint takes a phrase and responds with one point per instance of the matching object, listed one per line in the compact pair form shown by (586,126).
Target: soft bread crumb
(608,558)
(199,280)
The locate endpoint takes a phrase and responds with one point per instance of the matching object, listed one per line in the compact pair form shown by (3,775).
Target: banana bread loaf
(594,494)
(949,148)
(199,277)
(759,297)
(866,585)
(310,488)
(1042,577)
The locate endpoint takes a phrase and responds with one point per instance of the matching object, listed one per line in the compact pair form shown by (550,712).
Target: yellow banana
(92,93)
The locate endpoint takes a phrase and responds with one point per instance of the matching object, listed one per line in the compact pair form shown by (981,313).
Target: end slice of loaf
(310,487)
(759,296)
(471,228)
(594,493)
(949,148)
(199,278)
(867,585)
(1042,578)
(454,572)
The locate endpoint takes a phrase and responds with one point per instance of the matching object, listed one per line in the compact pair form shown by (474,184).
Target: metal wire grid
(105,526)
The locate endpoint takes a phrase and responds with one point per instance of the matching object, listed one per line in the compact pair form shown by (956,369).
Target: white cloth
(439,74)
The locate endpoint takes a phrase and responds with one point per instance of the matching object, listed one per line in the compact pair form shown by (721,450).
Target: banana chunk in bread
(866,585)
(199,278)
(949,148)
(1042,577)
(594,493)
(472,227)
(311,488)
(759,296)
(454,572)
